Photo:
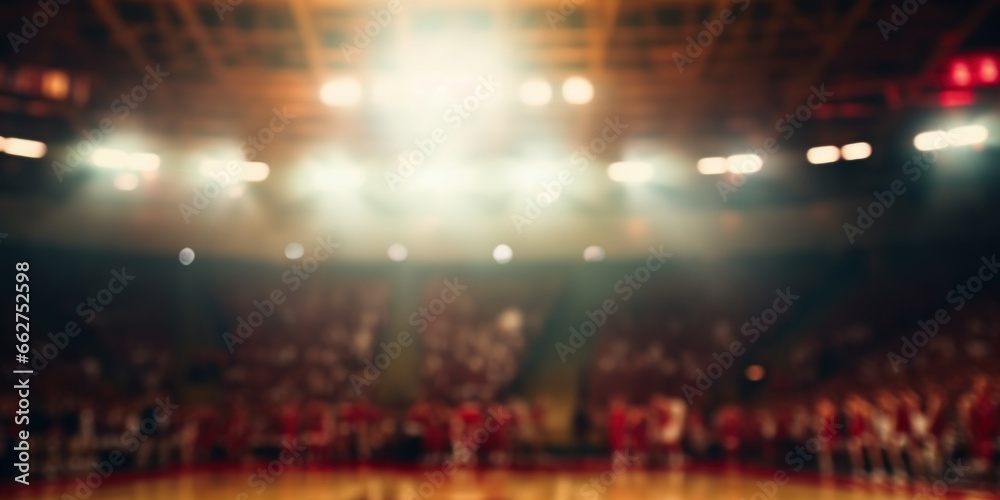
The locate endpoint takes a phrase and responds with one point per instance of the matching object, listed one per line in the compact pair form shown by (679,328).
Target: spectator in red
(638,433)
(617,426)
(982,424)
(728,426)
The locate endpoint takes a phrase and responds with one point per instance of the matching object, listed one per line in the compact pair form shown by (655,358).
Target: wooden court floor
(470,485)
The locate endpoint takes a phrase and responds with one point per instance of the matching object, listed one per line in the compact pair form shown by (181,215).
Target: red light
(960,74)
(955,98)
(988,70)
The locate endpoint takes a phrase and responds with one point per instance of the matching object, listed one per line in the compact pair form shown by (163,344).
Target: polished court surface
(468,485)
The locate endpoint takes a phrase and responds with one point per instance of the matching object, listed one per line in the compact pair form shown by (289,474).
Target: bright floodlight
(745,164)
(397,253)
(577,90)
(856,151)
(712,166)
(536,92)
(930,141)
(109,158)
(502,254)
(823,154)
(445,179)
(630,172)
(145,162)
(294,251)
(341,92)
(236,190)
(340,178)
(254,171)
(126,181)
(968,135)
(24,147)
(593,253)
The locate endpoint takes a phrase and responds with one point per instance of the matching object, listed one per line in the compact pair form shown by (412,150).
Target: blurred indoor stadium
(500,250)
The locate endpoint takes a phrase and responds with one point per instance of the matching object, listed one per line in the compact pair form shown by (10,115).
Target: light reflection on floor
(469,485)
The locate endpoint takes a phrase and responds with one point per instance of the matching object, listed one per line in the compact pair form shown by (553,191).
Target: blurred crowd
(833,402)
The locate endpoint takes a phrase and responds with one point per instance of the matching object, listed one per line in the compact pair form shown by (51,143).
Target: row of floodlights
(577,90)
(628,172)
(398,252)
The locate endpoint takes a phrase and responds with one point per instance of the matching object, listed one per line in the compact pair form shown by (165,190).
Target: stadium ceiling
(231,61)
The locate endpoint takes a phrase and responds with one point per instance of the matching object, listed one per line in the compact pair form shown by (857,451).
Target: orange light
(755,373)
(960,74)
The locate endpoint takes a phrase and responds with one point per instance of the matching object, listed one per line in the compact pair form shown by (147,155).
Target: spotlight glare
(236,190)
(968,135)
(823,154)
(339,179)
(502,254)
(745,164)
(24,147)
(126,181)
(254,171)
(294,251)
(341,92)
(593,253)
(445,179)
(397,253)
(144,162)
(536,92)
(630,172)
(856,151)
(577,90)
(109,158)
(930,141)
(712,166)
